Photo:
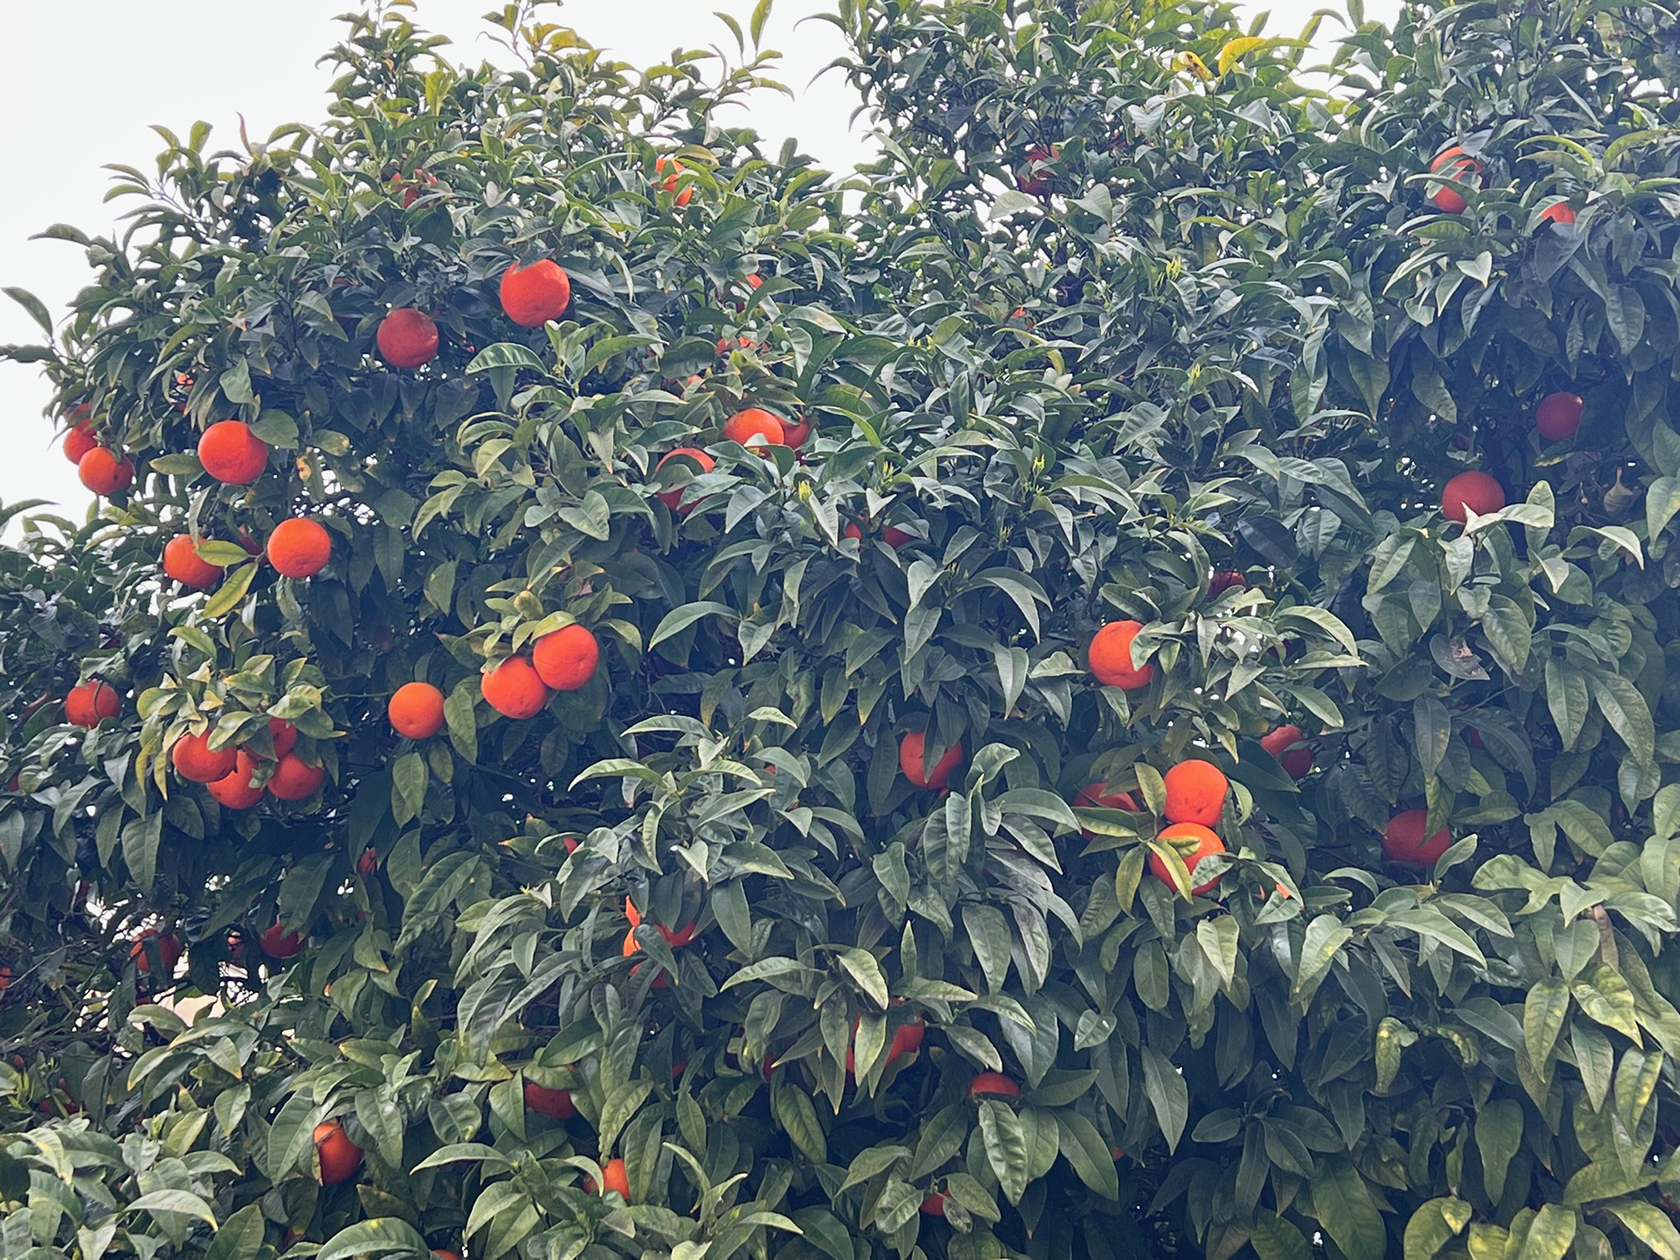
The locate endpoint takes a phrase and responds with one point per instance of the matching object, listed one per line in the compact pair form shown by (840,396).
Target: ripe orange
(566,659)
(933,1205)
(90,703)
(1474,490)
(1455,164)
(294,779)
(444,1253)
(1110,657)
(340,1157)
(670,182)
(416,710)
(193,760)
(1280,742)
(283,735)
(614,1176)
(1558,416)
(1196,792)
(280,944)
(182,562)
(1032,181)
(556,1104)
(531,296)
(891,535)
(912,759)
(168,948)
(794,434)
(1179,835)
(1404,840)
(407,338)
(673,498)
(1558,212)
(104,472)
(232,454)
(235,790)
(1219,583)
(299,547)
(79,439)
(993,1085)
(514,689)
(753,422)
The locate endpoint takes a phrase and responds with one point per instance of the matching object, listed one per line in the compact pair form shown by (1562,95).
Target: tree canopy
(1107,684)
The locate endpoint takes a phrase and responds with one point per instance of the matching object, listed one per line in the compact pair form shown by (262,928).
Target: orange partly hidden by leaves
(614,1176)
(1181,836)
(416,710)
(669,183)
(234,791)
(1196,792)
(192,759)
(299,547)
(556,1104)
(1474,490)
(1404,841)
(673,498)
(340,1157)
(912,759)
(993,1085)
(182,562)
(755,422)
(90,703)
(294,779)
(514,689)
(168,948)
(1110,657)
(566,659)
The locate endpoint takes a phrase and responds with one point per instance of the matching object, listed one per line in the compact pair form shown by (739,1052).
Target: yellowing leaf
(1235,50)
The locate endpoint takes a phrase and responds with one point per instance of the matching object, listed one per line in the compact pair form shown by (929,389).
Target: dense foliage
(773,929)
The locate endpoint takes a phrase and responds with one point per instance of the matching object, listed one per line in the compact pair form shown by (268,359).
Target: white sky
(81,83)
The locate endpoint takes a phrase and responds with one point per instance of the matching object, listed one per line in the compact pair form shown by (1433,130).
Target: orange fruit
(1474,490)
(673,498)
(416,710)
(1558,416)
(614,1176)
(556,1104)
(1207,844)
(443,1253)
(933,1205)
(1196,792)
(340,1157)
(79,439)
(993,1085)
(90,703)
(279,944)
(232,454)
(1558,212)
(182,562)
(912,759)
(1110,657)
(235,790)
(168,948)
(1455,164)
(1219,583)
(514,689)
(1280,742)
(407,338)
(368,863)
(1404,840)
(566,659)
(193,760)
(1032,181)
(907,1040)
(670,182)
(294,779)
(104,472)
(795,435)
(891,535)
(755,422)
(283,735)
(299,547)
(531,296)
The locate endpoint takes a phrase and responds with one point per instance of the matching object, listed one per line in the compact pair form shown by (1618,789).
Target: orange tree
(1099,689)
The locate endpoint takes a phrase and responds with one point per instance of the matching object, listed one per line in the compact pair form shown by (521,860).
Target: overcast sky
(80,83)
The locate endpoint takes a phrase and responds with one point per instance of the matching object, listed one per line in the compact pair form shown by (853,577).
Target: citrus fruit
(1110,657)
(416,710)
(531,296)
(168,948)
(182,562)
(1404,841)
(1474,490)
(294,779)
(556,1104)
(340,1157)
(90,703)
(104,472)
(279,944)
(1558,417)
(514,689)
(1179,836)
(669,183)
(1455,164)
(193,760)
(755,422)
(912,759)
(673,498)
(566,659)
(993,1085)
(1196,792)
(407,338)
(231,453)
(299,547)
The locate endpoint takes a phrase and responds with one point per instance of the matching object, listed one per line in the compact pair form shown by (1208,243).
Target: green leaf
(1544,1011)
(1434,1225)
(505,354)
(1344,1207)
(1650,1224)
(240,1236)
(37,309)
(235,586)
(1499,1130)
(1551,1232)
(378,1236)
(1006,1147)
(1325,935)
(1662,502)
(1169,1096)
(1276,1239)
(1089,1155)
(798,1119)
(680,619)
(180,1202)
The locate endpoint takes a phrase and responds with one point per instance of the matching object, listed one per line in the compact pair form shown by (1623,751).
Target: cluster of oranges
(231,774)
